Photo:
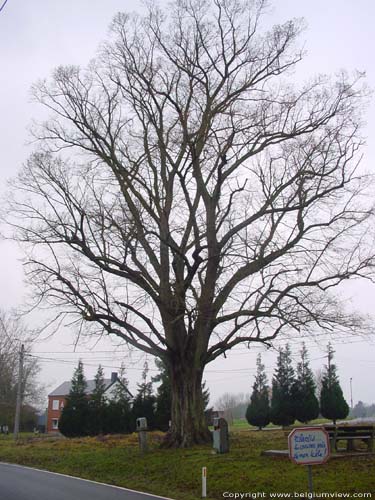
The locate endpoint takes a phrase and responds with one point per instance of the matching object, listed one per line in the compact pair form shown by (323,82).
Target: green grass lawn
(177,473)
(241,423)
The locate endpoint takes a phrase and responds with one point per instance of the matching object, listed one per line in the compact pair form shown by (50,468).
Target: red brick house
(57,399)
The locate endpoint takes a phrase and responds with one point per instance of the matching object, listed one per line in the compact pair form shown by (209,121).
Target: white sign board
(308,445)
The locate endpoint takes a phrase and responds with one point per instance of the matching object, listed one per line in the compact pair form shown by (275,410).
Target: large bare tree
(187,198)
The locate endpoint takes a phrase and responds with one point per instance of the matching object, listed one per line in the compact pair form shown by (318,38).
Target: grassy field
(241,423)
(177,473)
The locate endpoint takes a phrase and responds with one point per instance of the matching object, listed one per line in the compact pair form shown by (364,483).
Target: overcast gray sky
(37,36)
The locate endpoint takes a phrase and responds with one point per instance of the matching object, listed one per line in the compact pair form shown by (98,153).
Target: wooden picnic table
(350,434)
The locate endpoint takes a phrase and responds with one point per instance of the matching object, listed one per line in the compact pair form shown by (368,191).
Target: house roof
(64,388)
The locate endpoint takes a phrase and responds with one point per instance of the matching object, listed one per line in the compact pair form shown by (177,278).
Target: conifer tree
(163,397)
(74,418)
(144,402)
(98,404)
(332,401)
(258,411)
(121,392)
(282,404)
(306,403)
(119,413)
(98,394)
(206,397)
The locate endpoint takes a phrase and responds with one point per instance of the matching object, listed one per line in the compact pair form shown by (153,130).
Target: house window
(55,423)
(55,404)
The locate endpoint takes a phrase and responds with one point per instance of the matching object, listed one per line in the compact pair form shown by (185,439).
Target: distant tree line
(362,410)
(294,393)
(93,414)
(233,404)
(12,334)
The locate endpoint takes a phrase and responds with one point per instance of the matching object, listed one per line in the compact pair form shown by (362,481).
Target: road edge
(87,480)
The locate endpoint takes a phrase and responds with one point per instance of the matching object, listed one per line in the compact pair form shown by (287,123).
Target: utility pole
(19,392)
(351,392)
(330,356)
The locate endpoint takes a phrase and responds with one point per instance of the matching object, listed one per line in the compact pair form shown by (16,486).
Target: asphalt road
(22,483)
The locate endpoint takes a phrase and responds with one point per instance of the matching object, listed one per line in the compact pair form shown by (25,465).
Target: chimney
(114,377)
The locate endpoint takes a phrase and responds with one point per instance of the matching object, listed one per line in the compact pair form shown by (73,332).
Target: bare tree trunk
(189,425)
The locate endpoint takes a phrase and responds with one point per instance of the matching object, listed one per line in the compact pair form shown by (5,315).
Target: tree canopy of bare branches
(12,334)
(187,197)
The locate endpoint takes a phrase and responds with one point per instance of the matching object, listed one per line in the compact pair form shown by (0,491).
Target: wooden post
(204,482)
(310,479)
(142,439)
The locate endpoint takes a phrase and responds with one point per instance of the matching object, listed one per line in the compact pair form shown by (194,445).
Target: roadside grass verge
(177,473)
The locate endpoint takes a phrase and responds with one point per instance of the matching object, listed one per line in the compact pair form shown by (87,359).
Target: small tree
(306,404)
(119,413)
(74,418)
(98,405)
(332,401)
(258,411)
(282,404)
(163,397)
(144,402)
(206,400)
